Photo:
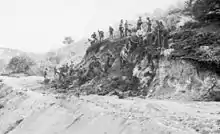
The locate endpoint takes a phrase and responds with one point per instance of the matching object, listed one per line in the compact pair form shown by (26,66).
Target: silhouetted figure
(148,40)
(124,54)
(101,35)
(121,29)
(66,67)
(55,71)
(139,23)
(91,41)
(162,32)
(127,30)
(149,24)
(165,41)
(94,37)
(140,34)
(71,70)
(45,73)
(158,33)
(63,70)
(111,30)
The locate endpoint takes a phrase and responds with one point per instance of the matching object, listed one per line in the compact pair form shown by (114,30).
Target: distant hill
(7,53)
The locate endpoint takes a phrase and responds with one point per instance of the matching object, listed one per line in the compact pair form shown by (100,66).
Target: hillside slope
(188,70)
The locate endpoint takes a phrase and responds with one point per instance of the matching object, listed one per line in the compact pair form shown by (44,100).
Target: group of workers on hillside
(95,37)
(157,35)
(143,30)
(62,72)
(124,28)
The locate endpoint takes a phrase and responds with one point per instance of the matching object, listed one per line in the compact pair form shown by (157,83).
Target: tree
(174,11)
(2,64)
(68,40)
(188,7)
(206,10)
(20,64)
(189,3)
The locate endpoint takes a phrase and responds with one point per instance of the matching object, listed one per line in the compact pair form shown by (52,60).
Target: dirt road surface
(24,110)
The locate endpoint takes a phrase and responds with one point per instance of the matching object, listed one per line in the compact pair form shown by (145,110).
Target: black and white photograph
(109,66)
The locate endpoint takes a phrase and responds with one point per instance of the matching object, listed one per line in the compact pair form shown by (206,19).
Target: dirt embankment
(26,110)
(188,70)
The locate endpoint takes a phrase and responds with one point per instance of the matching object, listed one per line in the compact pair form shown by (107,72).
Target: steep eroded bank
(187,69)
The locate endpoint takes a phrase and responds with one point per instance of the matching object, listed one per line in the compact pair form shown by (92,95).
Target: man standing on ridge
(101,35)
(139,23)
(71,70)
(94,36)
(55,71)
(45,73)
(140,35)
(158,33)
(149,24)
(126,28)
(111,30)
(121,29)
(165,40)
(162,29)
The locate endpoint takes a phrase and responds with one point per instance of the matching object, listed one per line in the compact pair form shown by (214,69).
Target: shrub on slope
(206,10)
(20,64)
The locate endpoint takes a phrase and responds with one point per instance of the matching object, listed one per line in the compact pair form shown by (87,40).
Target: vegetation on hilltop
(204,10)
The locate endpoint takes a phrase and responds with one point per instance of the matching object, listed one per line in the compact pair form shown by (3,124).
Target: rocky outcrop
(179,79)
(187,70)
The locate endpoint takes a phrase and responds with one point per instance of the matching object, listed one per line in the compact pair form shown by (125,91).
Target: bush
(192,25)
(20,64)
(2,64)
(206,10)
(174,11)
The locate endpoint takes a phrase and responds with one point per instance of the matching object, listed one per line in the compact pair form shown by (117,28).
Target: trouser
(100,38)
(126,31)
(55,73)
(111,35)
(165,42)
(138,27)
(94,40)
(133,47)
(61,76)
(149,29)
(140,41)
(149,40)
(159,40)
(71,72)
(121,34)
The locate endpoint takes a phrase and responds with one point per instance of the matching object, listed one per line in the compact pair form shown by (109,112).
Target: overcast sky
(38,25)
